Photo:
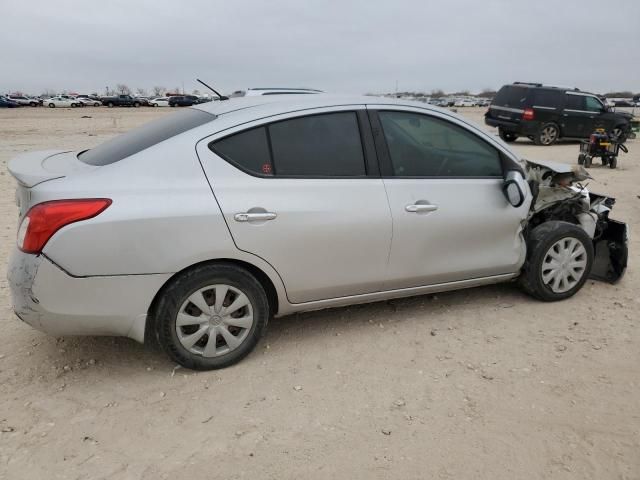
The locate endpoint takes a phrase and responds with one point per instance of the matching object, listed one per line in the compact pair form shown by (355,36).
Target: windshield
(141,138)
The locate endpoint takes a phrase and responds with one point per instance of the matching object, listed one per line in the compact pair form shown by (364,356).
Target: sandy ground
(478,384)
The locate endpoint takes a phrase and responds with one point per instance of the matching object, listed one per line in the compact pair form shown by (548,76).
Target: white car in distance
(62,101)
(159,102)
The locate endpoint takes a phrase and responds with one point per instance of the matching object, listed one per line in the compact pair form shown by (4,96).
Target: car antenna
(221,97)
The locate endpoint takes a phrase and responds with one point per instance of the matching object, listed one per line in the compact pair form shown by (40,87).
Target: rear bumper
(52,301)
(520,128)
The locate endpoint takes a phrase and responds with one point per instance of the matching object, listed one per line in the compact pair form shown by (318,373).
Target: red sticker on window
(266,168)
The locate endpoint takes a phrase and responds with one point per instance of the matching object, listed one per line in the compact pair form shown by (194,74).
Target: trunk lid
(33,168)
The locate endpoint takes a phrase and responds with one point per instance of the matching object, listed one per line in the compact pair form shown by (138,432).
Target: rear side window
(547,98)
(511,96)
(575,102)
(324,145)
(144,137)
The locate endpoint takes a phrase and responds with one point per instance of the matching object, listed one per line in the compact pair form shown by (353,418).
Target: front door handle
(420,208)
(254,217)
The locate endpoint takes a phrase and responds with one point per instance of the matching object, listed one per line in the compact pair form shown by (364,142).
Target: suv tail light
(528,114)
(45,219)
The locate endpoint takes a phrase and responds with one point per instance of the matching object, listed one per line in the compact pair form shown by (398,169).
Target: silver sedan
(196,229)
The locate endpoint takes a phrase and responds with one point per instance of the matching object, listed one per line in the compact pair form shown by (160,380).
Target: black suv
(545,114)
(183,100)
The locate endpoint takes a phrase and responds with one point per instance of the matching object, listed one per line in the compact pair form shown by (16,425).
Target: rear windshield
(511,96)
(144,137)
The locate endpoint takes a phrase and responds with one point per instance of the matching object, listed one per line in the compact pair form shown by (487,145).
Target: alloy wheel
(214,320)
(564,265)
(548,135)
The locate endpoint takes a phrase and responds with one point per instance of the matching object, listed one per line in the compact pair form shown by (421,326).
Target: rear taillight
(45,219)
(528,114)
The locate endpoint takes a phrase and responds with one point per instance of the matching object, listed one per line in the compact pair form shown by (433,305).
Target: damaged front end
(559,195)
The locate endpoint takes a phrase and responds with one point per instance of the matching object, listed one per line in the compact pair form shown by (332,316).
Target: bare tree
(487,93)
(122,89)
(157,91)
(141,92)
(438,93)
(48,93)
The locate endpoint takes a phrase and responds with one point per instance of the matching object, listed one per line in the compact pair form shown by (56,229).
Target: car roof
(277,104)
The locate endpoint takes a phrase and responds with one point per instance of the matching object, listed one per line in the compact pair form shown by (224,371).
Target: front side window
(324,145)
(593,104)
(424,146)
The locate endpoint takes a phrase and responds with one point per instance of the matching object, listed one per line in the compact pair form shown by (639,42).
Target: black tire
(33,104)
(110,104)
(613,162)
(507,136)
(52,105)
(136,104)
(545,136)
(588,160)
(154,104)
(167,307)
(73,105)
(540,241)
(581,159)
(619,134)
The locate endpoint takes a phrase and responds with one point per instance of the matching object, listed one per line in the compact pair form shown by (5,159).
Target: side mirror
(514,188)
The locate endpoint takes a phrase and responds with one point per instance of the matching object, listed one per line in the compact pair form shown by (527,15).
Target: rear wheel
(613,162)
(581,159)
(73,105)
(559,259)
(588,161)
(110,104)
(211,317)
(136,104)
(547,135)
(52,105)
(507,136)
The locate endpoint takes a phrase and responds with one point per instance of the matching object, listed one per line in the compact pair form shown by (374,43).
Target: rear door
(577,121)
(451,221)
(302,191)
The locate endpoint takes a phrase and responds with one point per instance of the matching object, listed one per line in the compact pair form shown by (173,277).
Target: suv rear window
(511,96)
(148,135)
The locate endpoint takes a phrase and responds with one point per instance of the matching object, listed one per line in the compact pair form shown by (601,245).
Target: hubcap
(564,265)
(548,135)
(214,320)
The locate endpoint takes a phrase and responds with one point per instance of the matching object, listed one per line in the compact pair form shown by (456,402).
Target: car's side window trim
(366,142)
(384,156)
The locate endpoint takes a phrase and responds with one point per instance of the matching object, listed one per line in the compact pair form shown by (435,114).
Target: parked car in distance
(87,101)
(122,101)
(159,102)
(253,92)
(546,114)
(23,100)
(292,177)
(183,100)
(6,103)
(61,101)
(465,102)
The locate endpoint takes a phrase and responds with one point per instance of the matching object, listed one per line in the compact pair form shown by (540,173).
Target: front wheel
(136,104)
(110,104)
(547,135)
(52,105)
(211,316)
(507,136)
(559,259)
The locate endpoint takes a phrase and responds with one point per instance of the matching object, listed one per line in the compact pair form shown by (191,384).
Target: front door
(299,193)
(451,221)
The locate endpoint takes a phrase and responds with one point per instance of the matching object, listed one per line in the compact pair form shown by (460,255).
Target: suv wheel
(559,259)
(211,317)
(618,134)
(507,136)
(547,135)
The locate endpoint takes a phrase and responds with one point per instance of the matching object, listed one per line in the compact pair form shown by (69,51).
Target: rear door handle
(254,217)
(420,208)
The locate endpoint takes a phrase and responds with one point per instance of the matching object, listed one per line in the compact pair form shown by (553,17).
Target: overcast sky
(339,46)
